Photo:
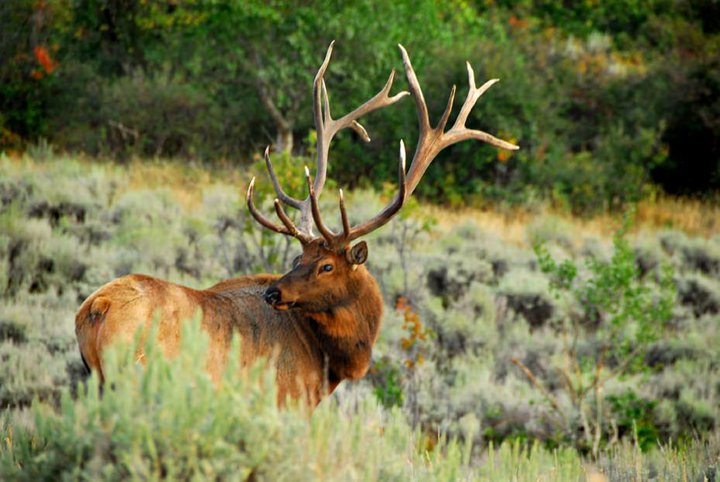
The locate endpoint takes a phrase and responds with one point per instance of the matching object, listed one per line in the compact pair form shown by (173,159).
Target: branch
(534,380)
(261,86)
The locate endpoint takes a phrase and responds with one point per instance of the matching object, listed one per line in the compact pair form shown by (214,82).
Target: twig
(598,401)
(565,371)
(533,379)
(125,131)
(620,370)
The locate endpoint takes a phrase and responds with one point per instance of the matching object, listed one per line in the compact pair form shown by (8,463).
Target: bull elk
(321,319)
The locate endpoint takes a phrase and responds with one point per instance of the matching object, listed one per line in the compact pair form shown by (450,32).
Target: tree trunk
(283,124)
(284,139)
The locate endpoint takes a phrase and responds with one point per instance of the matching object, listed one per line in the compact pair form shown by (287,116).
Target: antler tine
(326,102)
(289,224)
(317,86)
(258,216)
(290,201)
(344,216)
(423,118)
(459,132)
(378,101)
(322,118)
(390,210)
(473,95)
(329,236)
(448,109)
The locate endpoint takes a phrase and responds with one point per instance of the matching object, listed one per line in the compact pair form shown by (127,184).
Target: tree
(275,47)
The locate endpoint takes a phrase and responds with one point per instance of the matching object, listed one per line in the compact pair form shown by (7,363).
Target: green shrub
(700,255)
(168,420)
(703,256)
(467,369)
(528,294)
(28,371)
(648,256)
(622,315)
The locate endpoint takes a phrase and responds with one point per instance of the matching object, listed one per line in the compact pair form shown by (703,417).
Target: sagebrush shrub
(169,420)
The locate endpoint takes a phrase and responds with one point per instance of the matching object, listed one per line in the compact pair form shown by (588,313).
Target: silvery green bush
(69,226)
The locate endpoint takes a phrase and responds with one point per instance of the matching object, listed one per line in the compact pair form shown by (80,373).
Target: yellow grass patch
(693,216)
(187,182)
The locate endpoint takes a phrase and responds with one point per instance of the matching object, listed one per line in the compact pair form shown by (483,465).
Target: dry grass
(693,216)
(187,182)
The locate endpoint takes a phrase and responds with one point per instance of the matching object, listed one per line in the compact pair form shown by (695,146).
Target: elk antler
(433,140)
(430,142)
(326,128)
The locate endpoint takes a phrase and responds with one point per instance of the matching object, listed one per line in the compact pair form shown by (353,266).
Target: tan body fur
(315,351)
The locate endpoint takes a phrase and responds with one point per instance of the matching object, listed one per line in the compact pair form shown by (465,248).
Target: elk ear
(357,254)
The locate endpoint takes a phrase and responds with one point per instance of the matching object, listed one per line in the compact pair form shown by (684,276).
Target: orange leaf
(43,57)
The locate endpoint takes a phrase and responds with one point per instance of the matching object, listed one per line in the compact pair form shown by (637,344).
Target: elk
(320,320)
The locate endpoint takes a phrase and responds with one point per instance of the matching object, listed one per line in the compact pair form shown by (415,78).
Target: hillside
(478,332)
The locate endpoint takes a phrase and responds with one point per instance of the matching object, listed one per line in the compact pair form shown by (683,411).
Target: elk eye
(326,268)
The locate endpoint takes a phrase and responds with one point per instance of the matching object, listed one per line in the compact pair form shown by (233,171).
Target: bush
(471,332)
(622,315)
(528,295)
(701,294)
(169,421)
(28,371)
(153,117)
(39,351)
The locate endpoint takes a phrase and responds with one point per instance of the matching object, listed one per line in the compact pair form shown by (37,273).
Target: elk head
(330,266)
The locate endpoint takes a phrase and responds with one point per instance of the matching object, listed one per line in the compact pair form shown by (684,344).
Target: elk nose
(272,296)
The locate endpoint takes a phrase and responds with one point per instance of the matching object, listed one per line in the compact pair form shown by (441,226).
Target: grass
(692,216)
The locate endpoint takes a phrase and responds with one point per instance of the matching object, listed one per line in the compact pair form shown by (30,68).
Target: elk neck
(347,330)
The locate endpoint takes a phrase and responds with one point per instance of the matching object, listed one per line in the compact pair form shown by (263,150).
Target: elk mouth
(283,306)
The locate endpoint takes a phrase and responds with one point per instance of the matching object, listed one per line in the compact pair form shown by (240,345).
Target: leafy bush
(622,314)
(701,294)
(604,101)
(168,420)
(142,116)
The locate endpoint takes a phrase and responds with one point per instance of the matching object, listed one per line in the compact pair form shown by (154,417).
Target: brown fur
(321,332)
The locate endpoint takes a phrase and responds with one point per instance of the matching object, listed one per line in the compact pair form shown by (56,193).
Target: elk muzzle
(272,296)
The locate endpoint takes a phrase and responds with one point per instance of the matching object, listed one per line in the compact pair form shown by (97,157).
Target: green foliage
(605,98)
(622,314)
(631,311)
(388,388)
(168,420)
(634,415)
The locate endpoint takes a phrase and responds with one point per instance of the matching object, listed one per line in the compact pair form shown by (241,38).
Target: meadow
(517,344)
